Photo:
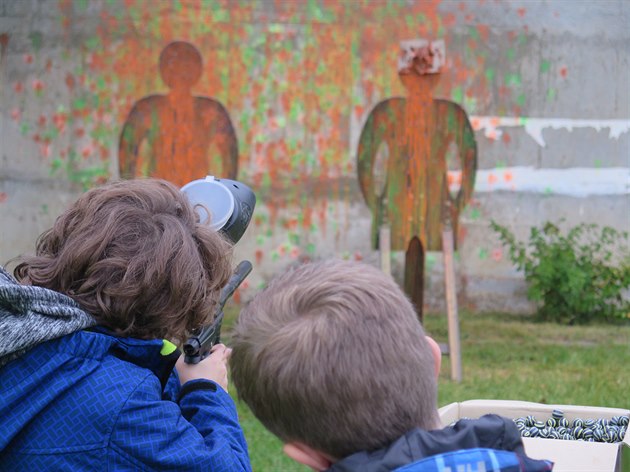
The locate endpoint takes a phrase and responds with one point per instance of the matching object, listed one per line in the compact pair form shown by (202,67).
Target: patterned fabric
(31,315)
(93,401)
(478,460)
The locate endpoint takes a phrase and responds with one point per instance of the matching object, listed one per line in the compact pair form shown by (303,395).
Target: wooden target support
(454,351)
(451,300)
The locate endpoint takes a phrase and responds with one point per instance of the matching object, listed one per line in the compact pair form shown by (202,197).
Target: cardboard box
(574,456)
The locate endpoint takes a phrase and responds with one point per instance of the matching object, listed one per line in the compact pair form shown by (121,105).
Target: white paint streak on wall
(575,181)
(534,126)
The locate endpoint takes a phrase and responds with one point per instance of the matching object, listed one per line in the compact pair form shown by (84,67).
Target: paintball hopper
(225,205)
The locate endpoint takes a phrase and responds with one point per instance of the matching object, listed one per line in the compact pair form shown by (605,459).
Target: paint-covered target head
(180,65)
(421,56)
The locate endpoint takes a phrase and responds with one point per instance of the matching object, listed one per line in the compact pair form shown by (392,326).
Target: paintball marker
(227,206)
(200,343)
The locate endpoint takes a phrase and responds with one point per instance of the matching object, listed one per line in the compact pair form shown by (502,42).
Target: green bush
(574,278)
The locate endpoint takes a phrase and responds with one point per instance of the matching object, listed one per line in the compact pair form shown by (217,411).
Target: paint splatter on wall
(298,79)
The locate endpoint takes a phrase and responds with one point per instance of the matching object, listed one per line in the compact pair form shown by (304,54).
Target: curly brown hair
(134,255)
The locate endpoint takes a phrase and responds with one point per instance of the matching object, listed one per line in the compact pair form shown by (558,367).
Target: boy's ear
(307,455)
(437,354)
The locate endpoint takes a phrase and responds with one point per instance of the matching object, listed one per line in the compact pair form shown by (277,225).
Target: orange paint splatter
(521,12)
(492,179)
(497,254)
(70,81)
(37,85)
(484,32)
(259,256)
(563,72)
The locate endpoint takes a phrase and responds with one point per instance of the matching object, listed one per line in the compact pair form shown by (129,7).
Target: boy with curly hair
(87,378)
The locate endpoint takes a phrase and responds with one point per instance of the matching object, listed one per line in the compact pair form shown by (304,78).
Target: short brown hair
(133,254)
(332,354)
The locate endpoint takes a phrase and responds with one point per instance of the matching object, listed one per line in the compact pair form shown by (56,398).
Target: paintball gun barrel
(200,343)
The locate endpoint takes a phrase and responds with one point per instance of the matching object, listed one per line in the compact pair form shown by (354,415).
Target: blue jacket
(92,401)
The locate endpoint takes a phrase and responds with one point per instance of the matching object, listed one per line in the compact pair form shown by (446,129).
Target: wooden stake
(384,246)
(451,302)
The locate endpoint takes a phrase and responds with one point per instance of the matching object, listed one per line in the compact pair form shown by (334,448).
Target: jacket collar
(489,431)
(157,355)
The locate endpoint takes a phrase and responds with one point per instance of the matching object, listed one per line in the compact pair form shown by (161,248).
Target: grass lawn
(503,357)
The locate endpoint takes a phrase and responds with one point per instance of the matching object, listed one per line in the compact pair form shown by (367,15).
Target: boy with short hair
(332,359)
(84,368)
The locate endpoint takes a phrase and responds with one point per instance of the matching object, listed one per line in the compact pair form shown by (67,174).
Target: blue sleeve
(201,433)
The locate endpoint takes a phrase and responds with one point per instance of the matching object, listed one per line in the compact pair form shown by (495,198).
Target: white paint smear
(491,126)
(575,181)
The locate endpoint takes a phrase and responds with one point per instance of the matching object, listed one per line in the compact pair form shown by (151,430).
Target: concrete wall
(546,86)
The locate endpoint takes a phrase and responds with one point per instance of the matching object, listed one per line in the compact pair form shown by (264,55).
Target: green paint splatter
(93,43)
(55,164)
(510,53)
(520,100)
(475,213)
(310,248)
(512,79)
(544,66)
(429,262)
(551,94)
(483,253)
(457,94)
(260,239)
(275,255)
(598,163)
(221,15)
(490,74)
(473,33)
(36,40)
(79,103)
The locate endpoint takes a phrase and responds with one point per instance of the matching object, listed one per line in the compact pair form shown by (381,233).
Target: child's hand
(213,367)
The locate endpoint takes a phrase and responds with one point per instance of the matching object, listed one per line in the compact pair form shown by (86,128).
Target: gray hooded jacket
(31,315)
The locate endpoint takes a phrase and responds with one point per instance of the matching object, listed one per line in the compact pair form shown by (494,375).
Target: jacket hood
(30,315)
(489,431)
